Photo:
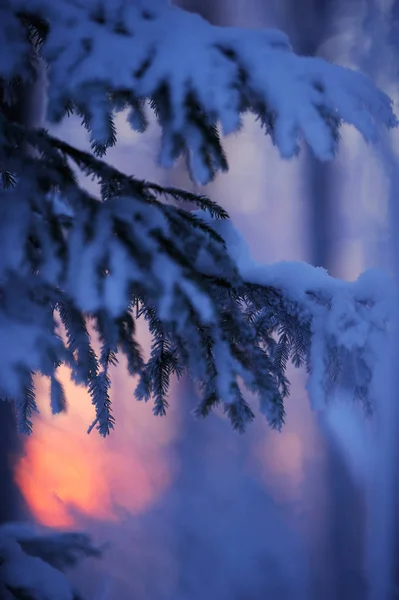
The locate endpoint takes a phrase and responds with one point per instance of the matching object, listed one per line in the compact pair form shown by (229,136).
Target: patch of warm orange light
(56,474)
(66,473)
(61,473)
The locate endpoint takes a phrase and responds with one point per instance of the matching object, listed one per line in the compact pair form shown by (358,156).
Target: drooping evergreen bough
(68,258)
(34,561)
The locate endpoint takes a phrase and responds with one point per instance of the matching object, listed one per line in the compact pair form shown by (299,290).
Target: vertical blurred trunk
(308,24)
(341,559)
(208,9)
(11,503)
(12,506)
(26,110)
(202,486)
(232,542)
(381,28)
(383,506)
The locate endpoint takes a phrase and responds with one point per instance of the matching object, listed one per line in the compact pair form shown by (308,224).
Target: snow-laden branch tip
(115,54)
(348,321)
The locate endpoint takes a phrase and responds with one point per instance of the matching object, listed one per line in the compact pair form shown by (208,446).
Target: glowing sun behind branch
(66,473)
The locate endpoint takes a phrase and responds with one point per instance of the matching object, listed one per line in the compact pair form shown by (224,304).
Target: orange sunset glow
(66,473)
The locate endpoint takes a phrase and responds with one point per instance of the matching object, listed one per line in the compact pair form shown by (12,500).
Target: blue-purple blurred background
(191,509)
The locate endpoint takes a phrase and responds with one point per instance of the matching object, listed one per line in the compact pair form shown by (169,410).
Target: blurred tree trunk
(11,503)
(12,506)
(338,561)
(232,541)
(309,23)
(313,21)
(378,59)
(211,10)
(27,109)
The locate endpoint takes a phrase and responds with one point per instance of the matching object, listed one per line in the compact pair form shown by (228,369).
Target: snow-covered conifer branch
(33,561)
(130,254)
(332,327)
(210,309)
(107,56)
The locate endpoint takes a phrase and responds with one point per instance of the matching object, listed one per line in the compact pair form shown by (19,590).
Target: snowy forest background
(190,508)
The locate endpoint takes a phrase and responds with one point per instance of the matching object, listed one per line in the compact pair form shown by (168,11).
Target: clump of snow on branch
(33,561)
(197,76)
(348,320)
